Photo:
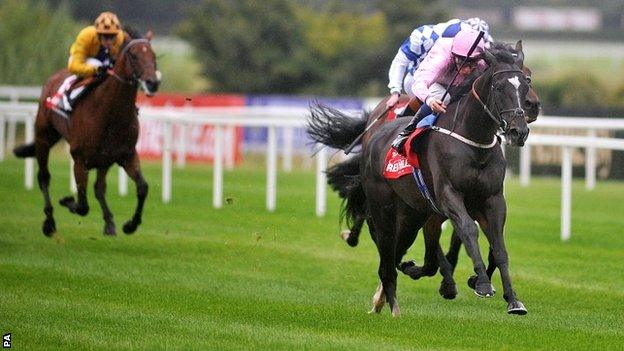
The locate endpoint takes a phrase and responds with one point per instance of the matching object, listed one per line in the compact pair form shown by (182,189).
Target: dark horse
(344,176)
(103,130)
(466,181)
(345,179)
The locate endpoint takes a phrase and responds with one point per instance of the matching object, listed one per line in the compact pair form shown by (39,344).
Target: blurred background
(287,52)
(327,48)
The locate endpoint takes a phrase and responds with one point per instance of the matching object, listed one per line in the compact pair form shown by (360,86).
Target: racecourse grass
(193,277)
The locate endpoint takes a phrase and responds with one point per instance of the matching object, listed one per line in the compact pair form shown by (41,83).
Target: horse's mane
(501,52)
(132,32)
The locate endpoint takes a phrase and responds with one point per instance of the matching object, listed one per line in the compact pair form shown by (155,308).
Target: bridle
(497,118)
(132,60)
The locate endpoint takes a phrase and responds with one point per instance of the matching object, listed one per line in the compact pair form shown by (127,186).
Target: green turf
(193,277)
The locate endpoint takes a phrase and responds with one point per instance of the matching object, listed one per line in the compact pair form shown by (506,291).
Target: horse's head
(507,94)
(532,102)
(138,63)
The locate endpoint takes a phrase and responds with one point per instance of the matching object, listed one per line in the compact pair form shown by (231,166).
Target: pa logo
(6,341)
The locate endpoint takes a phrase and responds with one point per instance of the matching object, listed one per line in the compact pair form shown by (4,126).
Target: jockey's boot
(71,97)
(66,103)
(399,141)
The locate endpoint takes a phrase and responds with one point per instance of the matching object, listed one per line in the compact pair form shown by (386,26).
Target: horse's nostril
(532,104)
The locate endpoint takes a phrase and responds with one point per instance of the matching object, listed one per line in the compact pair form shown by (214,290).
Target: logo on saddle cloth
(397,165)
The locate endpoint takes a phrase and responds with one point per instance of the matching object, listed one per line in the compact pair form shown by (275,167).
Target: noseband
(124,51)
(498,119)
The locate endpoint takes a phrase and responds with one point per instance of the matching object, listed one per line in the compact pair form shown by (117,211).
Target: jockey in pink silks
(436,72)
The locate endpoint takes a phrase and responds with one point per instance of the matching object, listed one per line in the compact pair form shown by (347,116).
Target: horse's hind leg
(133,168)
(81,206)
(453,253)
(99,188)
(493,223)
(385,238)
(430,265)
(352,235)
(379,299)
(43,177)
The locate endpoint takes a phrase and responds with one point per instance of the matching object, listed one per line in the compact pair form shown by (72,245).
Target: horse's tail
(25,150)
(333,128)
(345,179)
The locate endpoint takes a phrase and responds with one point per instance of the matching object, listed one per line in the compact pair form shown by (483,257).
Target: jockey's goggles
(108,36)
(472,62)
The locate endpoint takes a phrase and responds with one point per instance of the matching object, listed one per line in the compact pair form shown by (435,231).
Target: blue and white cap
(480,25)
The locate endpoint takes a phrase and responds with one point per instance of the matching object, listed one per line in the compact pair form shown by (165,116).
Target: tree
(247,45)
(280,46)
(35,41)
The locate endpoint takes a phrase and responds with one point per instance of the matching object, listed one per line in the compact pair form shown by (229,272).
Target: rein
(497,119)
(500,122)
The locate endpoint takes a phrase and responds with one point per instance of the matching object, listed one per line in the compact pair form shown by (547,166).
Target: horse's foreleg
(432,231)
(81,206)
(453,252)
(133,168)
(453,206)
(100,193)
(493,223)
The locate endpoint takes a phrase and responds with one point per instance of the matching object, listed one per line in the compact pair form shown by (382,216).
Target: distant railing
(274,118)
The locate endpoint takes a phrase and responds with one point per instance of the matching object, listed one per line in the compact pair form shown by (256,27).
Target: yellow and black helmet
(107,23)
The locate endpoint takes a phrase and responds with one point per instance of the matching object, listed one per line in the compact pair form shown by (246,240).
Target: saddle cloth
(397,165)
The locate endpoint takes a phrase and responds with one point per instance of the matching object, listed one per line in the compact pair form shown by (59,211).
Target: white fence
(285,118)
(272,118)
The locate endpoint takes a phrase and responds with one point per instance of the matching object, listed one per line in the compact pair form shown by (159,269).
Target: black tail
(25,150)
(344,178)
(333,128)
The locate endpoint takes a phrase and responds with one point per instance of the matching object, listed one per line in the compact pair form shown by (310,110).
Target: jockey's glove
(101,71)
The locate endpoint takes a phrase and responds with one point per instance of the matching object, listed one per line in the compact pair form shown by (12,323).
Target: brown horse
(103,130)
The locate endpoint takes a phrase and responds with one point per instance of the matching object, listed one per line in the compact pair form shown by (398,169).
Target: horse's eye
(528,78)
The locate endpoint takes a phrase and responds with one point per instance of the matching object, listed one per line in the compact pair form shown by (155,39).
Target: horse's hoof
(484,290)
(376,309)
(417,272)
(472,283)
(66,201)
(350,240)
(109,229)
(49,227)
(516,307)
(82,210)
(396,311)
(448,290)
(130,227)
(406,265)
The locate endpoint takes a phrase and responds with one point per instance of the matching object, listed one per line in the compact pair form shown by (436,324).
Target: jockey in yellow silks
(92,54)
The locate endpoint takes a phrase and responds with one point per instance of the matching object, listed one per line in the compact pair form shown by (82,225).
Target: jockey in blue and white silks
(417,45)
